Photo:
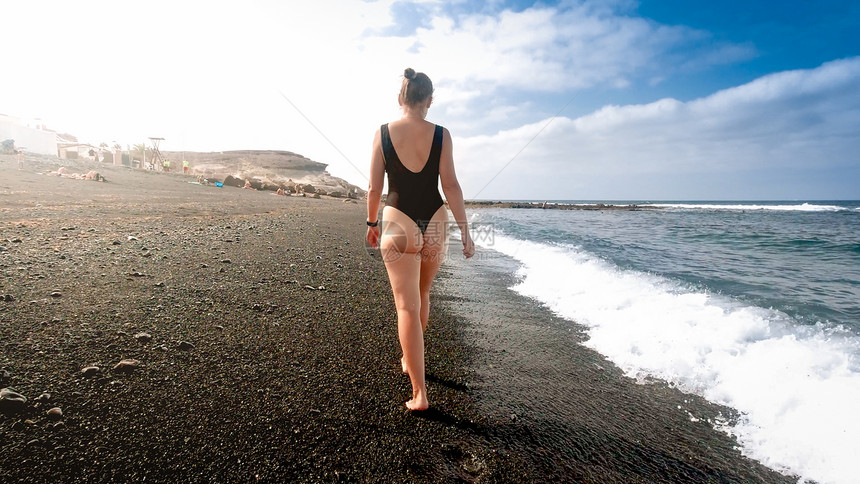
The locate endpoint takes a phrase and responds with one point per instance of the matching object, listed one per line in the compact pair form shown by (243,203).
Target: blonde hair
(416,88)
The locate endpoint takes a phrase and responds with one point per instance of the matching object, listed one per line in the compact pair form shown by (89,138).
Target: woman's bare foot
(419,402)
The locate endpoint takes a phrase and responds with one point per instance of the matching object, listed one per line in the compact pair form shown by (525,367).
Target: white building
(75,151)
(33,139)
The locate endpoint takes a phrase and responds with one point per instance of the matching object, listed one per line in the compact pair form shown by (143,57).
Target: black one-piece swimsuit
(415,194)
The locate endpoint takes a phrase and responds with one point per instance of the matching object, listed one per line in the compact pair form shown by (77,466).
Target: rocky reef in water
(555,205)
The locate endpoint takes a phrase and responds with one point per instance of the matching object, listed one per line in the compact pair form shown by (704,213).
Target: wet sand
(568,412)
(266,340)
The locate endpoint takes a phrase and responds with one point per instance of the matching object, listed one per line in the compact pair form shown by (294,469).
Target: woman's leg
(400,244)
(432,255)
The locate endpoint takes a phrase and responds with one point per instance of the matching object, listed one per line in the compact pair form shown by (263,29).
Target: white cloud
(579,45)
(795,120)
(484,57)
(207,76)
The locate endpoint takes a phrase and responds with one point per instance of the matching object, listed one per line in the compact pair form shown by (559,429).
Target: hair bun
(409,73)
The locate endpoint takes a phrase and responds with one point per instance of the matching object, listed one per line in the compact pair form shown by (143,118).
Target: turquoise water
(803,260)
(752,305)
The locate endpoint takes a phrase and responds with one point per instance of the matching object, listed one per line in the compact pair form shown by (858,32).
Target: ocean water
(753,305)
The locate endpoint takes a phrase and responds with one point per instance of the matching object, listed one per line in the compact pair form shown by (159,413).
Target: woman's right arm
(453,193)
(374,189)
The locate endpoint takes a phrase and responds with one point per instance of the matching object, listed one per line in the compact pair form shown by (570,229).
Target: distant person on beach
(184,166)
(415,154)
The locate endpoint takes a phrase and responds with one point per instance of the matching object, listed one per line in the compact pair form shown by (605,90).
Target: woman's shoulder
(445,133)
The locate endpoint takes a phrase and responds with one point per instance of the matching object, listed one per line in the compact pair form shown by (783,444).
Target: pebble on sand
(143,337)
(91,371)
(55,413)
(126,365)
(11,401)
(185,346)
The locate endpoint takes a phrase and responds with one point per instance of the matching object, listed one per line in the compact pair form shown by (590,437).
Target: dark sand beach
(265,339)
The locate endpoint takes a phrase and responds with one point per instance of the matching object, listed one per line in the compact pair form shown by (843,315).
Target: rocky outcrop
(267,170)
(232,181)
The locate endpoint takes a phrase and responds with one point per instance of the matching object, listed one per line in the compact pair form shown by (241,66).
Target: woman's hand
(372,237)
(468,245)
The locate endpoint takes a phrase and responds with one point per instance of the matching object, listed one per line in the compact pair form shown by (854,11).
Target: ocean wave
(795,386)
(803,207)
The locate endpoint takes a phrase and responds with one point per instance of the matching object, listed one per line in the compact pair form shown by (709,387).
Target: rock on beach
(143,337)
(126,365)
(11,401)
(90,370)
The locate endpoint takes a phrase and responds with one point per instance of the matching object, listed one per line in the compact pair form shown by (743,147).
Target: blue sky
(661,99)
(785,35)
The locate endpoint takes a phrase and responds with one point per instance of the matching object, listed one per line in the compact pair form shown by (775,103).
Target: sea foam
(796,387)
(803,207)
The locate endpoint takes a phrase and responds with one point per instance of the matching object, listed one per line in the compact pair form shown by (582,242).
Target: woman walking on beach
(415,154)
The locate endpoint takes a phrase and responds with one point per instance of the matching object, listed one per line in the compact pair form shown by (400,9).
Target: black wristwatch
(373,224)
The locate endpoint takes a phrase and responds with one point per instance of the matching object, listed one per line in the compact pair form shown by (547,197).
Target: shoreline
(568,413)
